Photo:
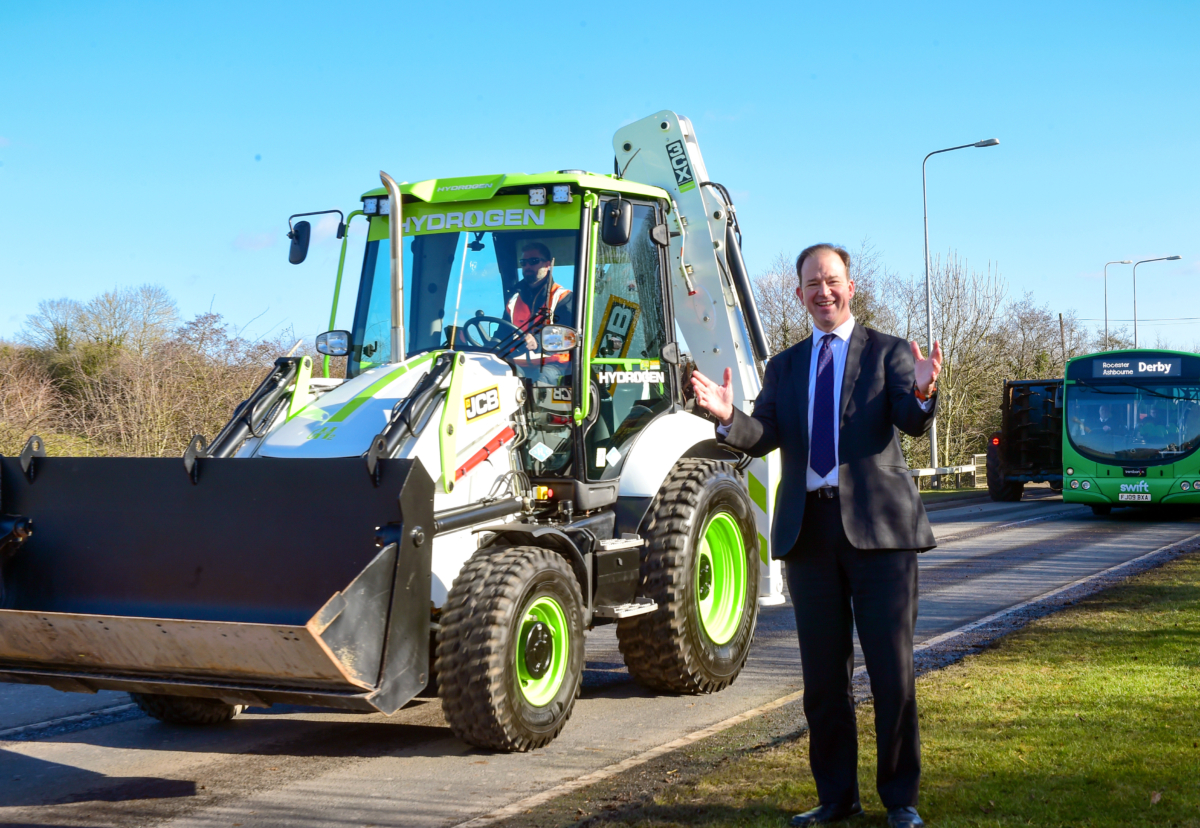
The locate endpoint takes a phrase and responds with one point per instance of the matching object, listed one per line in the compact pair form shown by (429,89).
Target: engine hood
(343,422)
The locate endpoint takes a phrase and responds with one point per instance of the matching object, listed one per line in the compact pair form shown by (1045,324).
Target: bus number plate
(1126,496)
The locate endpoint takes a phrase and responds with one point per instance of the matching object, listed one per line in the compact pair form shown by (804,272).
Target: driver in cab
(539,301)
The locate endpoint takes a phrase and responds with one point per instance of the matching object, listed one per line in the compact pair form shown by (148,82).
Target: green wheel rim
(543,645)
(720,577)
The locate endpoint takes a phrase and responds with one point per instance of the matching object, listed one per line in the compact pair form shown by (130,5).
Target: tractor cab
(530,280)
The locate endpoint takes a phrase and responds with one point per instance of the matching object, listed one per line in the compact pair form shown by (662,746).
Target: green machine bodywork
(1131,429)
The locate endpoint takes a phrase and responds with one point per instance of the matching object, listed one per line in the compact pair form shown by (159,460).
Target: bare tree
(55,327)
(784,318)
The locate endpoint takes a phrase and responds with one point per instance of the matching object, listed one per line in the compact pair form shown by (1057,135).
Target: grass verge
(1090,717)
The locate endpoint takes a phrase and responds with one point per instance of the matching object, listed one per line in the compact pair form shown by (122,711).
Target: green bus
(1131,429)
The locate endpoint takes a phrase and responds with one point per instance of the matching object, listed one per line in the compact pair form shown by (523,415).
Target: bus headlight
(1087,484)
(1185,485)
(1074,484)
(1070,471)
(1196,485)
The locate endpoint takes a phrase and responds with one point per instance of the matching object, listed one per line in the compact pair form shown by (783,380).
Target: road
(304,767)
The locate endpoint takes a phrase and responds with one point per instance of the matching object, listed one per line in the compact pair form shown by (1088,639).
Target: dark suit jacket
(880,505)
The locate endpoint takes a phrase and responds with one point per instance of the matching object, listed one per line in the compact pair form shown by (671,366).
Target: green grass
(1090,717)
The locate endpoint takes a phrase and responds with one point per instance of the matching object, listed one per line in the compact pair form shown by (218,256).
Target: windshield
(480,289)
(1124,422)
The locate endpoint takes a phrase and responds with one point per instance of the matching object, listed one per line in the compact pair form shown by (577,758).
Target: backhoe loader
(510,459)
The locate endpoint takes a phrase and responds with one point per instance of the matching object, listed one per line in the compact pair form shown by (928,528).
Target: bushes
(118,375)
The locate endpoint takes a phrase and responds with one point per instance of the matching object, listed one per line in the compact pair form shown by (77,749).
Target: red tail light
(995,441)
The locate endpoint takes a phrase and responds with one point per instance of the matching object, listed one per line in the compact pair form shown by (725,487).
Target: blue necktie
(822,456)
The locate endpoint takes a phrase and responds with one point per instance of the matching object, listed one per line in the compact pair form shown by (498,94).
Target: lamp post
(989,142)
(1143,261)
(1106,264)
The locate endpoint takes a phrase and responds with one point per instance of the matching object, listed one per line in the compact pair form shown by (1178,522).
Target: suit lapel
(856,348)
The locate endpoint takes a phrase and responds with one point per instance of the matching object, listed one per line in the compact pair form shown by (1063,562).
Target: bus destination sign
(1140,368)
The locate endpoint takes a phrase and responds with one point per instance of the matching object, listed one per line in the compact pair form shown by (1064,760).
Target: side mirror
(300,234)
(616,224)
(670,353)
(558,339)
(333,343)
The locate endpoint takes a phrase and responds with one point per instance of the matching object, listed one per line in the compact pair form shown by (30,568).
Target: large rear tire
(701,565)
(186,710)
(510,651)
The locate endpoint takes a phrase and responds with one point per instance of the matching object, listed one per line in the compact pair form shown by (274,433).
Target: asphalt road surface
(68,759)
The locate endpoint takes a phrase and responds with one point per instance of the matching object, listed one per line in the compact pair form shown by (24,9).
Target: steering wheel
(481,339)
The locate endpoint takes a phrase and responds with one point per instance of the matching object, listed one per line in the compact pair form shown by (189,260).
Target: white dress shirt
(840,345)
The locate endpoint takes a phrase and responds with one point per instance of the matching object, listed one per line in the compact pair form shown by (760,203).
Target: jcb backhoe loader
(510,459)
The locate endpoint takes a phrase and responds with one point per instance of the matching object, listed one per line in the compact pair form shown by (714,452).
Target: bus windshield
(1121,422)
(488,289)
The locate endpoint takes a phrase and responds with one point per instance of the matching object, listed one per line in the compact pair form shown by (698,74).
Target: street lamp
(990,142)
(1106,264)
(1143,261)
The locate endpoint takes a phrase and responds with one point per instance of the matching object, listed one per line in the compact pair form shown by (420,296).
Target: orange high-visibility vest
(519,314)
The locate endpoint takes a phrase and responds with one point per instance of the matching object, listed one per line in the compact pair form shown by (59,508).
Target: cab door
(627,328)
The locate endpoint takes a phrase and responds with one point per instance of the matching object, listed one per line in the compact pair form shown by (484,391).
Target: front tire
(510,651)
(186,710)
(701,565)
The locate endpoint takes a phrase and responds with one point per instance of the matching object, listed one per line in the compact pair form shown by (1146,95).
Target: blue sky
(168,143)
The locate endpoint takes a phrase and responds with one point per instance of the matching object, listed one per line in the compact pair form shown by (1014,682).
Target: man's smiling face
(826,289)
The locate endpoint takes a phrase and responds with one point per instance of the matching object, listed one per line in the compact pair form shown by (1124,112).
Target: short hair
(823,247)
(539,247)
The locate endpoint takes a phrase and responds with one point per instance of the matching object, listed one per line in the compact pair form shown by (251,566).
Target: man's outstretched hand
(927,369)
(715,399)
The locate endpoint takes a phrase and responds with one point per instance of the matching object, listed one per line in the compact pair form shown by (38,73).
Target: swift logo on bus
(680,166)
(1143,486)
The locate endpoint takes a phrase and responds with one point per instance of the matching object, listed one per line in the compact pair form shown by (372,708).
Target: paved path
(299,767)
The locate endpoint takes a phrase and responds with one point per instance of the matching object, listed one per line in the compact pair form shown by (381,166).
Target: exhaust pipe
(396,239)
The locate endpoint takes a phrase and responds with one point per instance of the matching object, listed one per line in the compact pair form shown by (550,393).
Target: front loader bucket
(254,580)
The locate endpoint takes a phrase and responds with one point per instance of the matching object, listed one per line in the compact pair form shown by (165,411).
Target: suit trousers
(835,588)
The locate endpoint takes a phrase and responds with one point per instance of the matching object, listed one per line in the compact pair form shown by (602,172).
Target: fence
(978,481)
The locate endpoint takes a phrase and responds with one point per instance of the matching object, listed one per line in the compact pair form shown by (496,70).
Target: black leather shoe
(904,817)
(823,814)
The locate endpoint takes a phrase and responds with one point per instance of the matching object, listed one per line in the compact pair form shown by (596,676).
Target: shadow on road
(86,786)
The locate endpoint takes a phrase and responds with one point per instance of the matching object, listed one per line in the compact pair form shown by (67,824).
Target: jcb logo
(482,402)
(680,165)
(619,323)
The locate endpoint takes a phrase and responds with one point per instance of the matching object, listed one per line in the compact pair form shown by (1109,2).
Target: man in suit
(848,526)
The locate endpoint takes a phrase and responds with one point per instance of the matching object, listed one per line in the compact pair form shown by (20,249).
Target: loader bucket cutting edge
(240,586)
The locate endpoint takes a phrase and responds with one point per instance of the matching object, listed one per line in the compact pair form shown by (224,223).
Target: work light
(371,206)
(537,196)
(562,193)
